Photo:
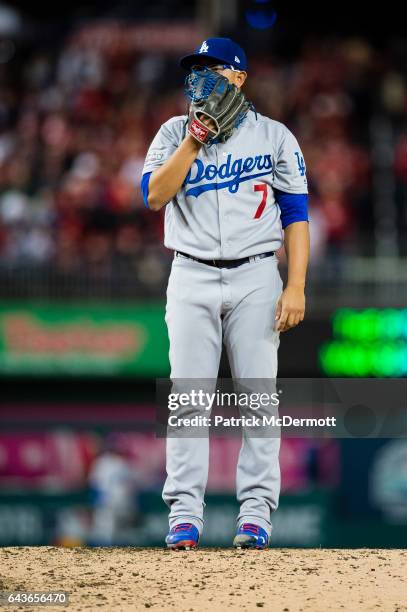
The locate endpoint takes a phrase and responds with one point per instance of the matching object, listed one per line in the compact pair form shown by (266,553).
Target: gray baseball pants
(205,307)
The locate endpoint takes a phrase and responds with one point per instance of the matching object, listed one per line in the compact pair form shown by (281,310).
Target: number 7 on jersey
(262,205)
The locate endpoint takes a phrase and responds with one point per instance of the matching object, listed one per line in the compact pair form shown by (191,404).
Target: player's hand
(207,121)
(290,308)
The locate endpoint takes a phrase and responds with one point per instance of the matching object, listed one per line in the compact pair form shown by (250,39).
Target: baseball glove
(213,98)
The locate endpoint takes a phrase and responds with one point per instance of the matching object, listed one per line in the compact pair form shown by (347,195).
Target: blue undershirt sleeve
(293,207)
(145,180)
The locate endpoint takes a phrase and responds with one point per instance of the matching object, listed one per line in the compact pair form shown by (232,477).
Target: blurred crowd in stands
(75,126)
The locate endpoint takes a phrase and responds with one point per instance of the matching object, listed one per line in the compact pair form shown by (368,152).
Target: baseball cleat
(251,536)
(183,536)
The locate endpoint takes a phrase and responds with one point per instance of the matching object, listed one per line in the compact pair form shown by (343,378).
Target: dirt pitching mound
(285,580)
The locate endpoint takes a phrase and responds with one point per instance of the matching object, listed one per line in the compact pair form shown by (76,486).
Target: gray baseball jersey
(226,207)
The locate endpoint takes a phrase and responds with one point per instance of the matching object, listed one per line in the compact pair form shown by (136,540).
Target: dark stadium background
(81,257)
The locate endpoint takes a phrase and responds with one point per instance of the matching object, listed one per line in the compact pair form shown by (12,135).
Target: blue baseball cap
(223,50)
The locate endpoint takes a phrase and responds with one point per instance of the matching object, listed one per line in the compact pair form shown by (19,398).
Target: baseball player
(233,184)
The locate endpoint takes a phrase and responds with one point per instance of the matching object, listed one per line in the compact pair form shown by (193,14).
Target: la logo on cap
(237,59)
(204,47)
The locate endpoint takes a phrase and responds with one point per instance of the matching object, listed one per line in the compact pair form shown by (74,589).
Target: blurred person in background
(114,486)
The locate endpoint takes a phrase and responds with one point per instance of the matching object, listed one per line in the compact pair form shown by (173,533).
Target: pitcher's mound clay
(285,580)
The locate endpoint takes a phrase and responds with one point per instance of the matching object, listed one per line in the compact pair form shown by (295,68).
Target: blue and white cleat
(251,536)
(183,536)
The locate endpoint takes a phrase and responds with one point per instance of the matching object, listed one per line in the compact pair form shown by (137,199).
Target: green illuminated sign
(83,339)
(369,342)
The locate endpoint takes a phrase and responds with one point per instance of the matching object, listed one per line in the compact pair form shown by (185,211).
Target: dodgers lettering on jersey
(225,208)
(236,171)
